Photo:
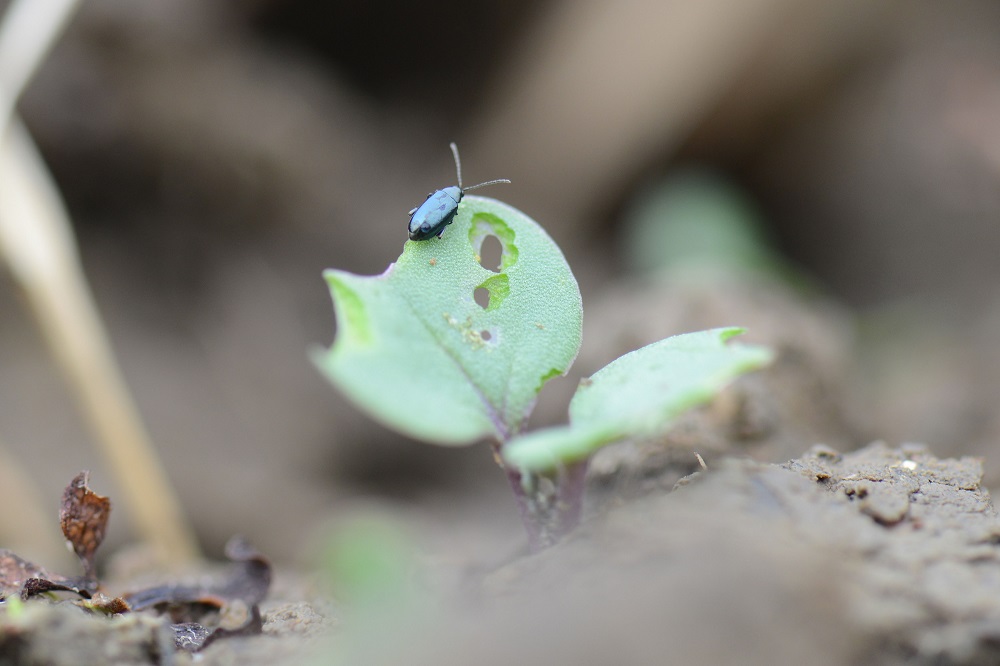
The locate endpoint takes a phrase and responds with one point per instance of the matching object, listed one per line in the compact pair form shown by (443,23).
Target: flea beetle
(438,211)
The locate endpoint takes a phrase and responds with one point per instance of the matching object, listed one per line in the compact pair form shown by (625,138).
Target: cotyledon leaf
(639,395)
(417,352)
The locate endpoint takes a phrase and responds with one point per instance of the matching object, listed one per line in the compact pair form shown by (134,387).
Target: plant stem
(550,506)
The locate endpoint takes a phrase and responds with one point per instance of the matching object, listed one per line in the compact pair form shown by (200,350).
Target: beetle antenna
(458,172)
(489,182)
(458,163)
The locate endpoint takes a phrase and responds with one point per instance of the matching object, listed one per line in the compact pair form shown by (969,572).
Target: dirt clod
(882,555)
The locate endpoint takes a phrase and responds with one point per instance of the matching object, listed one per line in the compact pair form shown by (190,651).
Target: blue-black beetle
(438,211)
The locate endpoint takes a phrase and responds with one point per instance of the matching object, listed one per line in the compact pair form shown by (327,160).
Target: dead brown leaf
(84,520)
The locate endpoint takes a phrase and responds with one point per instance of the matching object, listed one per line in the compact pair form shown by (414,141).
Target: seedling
(451,352)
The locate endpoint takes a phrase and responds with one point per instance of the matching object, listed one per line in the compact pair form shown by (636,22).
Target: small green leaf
(638,395)
(695,224)
(369,561)
(552,448)
(417,351)
(695,220)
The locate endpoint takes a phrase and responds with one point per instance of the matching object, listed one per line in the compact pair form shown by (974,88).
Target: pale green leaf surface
(638,395)
(415,350)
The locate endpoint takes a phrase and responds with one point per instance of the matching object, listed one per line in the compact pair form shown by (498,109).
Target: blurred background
(216,156)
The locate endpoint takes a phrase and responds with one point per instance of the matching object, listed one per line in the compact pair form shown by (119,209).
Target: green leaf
(416,351)
(696,224)
(638,395)
(696,220)
(369,561)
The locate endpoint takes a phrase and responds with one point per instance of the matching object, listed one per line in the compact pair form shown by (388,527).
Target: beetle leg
(412,211)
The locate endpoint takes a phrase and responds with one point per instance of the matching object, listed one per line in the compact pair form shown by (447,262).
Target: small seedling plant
(448,349)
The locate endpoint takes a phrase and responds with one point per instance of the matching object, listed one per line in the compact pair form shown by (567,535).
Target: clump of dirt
(60,634)
(926,562)
(883,555)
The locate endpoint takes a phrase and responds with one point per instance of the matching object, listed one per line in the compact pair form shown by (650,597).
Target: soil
(881,555)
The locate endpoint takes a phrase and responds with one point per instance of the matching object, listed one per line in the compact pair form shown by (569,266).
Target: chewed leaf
(420,350)
(639,395)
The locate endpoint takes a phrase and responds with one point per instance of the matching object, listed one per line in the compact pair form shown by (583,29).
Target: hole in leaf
(497,288)
(482,297)
(490,253)
(485,335)
(483,227)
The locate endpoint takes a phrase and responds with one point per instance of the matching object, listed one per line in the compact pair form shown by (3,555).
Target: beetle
(438,211)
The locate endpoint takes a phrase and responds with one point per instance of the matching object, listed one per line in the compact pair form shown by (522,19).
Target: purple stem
(550,505)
